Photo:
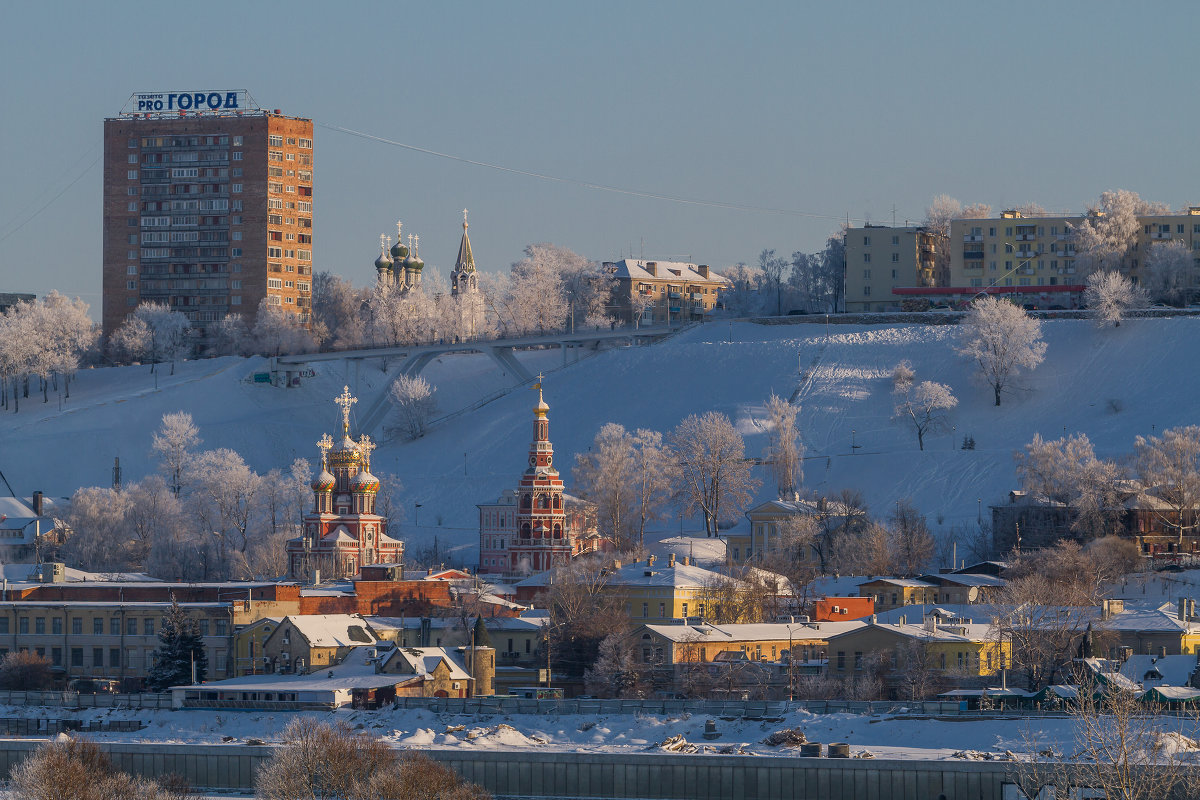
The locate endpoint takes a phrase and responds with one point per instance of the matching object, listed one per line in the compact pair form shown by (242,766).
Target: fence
(79,700)
(747,709)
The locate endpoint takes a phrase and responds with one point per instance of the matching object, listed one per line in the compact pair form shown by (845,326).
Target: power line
(50,202)
(589,184)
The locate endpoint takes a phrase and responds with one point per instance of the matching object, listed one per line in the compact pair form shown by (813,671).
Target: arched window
(543,501)
(525,501)
(525,530)
(557,531)
(558,501)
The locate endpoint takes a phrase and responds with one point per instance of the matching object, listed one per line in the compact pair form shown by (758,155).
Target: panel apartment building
(208,208)
(880,259)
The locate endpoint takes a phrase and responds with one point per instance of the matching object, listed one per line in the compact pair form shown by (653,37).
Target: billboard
(208,100)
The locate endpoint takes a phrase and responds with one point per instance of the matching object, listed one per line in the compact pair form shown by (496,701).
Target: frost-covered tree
(587,287)
(132,340)
(152,513)
(277,332)
(415,404)
(1168,466)
(772,267)
(164,336)
(715,473)
(784,452)
(537,300)
(656,477)
(1167,268)
(1002,340)
(1105,238)
(976,211)
(230,336)
(180,658)
(617,672)
(941,211)
(831,276)
(745,294)
(1110,295)
(926,405)
(221,495)
(68,334)
(1067,471)
(338,311)
(174,443)
(605,475)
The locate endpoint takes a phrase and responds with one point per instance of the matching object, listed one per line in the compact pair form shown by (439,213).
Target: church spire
(466,259)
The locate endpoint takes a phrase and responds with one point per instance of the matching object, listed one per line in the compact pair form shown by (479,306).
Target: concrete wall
(648,776)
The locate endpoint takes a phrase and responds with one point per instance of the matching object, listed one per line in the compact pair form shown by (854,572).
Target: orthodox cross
(464,218)
(538,386)
(365,446)
(345,401)
(399,225)
(383,242)
(416,245)
(324,444)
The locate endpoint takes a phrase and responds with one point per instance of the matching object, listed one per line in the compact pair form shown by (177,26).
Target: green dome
(383,262)
(399,252)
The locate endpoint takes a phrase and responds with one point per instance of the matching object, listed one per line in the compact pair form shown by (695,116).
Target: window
(76,656)
(204,627)
(114,657)
(222,627)
(841,660)
(39,625)
(235,284)
(866,291)
(56,626)
(97,626)
(866,241)
(131,174)
(858,660)
(662,610)
(866,274)
(274,283)
(148,627)
(645,610)
(237,142)
(56,656)
(236,188)
(866,258)
(114,626)
(895,240)
(236,300)
(76,626)
(97,656)
(131,626)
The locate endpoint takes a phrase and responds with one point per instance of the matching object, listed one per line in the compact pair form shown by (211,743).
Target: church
(537,526)
(342,533)
(401,267)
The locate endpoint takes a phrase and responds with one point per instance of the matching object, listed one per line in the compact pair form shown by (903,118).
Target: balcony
(1026,253)
(1160,235)
(973,254)
(972,237)
(1026,237)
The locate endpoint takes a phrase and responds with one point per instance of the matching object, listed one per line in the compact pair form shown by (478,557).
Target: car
(1057,308)
(1030,307)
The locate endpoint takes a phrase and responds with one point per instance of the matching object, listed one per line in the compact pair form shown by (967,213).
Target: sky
(774,121)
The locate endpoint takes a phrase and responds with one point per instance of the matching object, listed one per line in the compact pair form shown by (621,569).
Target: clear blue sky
(829,109)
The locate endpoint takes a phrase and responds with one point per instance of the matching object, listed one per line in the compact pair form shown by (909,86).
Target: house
(892,593)
(770,524)
(309,643)
(964,588)
(436,671)
(1155,671)
(518,640)
(833,609)
(249,643)
(23,527)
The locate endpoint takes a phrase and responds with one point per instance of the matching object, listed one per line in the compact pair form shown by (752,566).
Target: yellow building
(664,291)
(892,593)
(657,590)
(248,646)
(314,641)
(880,259)
(114,641)
(806,642)
(957,650)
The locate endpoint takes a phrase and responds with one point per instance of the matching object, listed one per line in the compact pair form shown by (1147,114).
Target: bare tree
(716,474)
(1110,295)
(1169,468)
(784,453)
(413,398)
(911,543)
(1067,471)
(606,476)
(1002,340)
(772,267)
(277,331)
(583,611)
(1167,267)
(617,671)
(24,671)
(926,405)
(79,769)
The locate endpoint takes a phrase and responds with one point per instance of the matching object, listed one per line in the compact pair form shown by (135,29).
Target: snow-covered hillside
(1110,383)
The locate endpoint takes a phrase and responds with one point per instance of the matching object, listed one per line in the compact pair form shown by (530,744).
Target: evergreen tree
(481,638)
(180,647)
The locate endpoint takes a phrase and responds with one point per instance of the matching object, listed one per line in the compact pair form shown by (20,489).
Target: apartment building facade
(660,292)
(880,259)
(207,209)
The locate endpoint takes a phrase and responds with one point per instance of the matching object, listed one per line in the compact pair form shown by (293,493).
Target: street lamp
(416,514)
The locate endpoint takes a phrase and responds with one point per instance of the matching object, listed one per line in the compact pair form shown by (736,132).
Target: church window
(558,531)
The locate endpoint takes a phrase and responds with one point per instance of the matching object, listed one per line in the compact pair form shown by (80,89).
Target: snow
(845,393)
(884,736)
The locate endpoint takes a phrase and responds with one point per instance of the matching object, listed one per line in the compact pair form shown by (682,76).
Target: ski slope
(1112,384)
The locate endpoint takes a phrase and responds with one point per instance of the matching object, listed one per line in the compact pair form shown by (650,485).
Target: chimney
(652,268)
(37,504)
(703,270)
(616,564)
(1182,610)
(650,560)
(671,560)
(687,560)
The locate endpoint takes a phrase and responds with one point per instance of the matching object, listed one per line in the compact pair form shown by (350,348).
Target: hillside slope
(840,375)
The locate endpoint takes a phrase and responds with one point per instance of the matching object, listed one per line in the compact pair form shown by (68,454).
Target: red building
(343,533)
(539,525)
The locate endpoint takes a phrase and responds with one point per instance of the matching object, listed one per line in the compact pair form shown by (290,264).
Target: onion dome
(364,482)
(399,252)
(417,264)
(383,263)
(324,482)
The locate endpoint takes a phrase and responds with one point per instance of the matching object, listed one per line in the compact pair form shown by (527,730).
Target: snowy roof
(1174,692)
(830,586)
(357,671)
(665,270)
(680,576)
(966,579)
(14,514)
(976,612)
(443,623)
(970,632)
(339,534)
(905,582)
(424,660)
(1159,670)
(754,632)
(332,630)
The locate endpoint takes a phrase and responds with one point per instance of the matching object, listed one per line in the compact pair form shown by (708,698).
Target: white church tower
(464,288)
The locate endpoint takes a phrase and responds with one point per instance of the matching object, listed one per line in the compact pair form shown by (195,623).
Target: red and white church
(343,533)
(539,525)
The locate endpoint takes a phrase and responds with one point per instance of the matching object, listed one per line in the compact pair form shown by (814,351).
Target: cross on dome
(324,444)
(399,225)
(464,218)
(383,242)
(345,400)
(365,446)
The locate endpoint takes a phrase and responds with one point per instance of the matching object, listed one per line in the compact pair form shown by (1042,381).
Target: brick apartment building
(209,211)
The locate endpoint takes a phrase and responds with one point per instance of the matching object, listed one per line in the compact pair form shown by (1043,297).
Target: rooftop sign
(207,100)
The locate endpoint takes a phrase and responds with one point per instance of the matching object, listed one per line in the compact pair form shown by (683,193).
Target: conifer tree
(180,647)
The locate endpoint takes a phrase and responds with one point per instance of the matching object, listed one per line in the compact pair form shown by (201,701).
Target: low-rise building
(662,292)
(880,259)
(308,643)
(890,593)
